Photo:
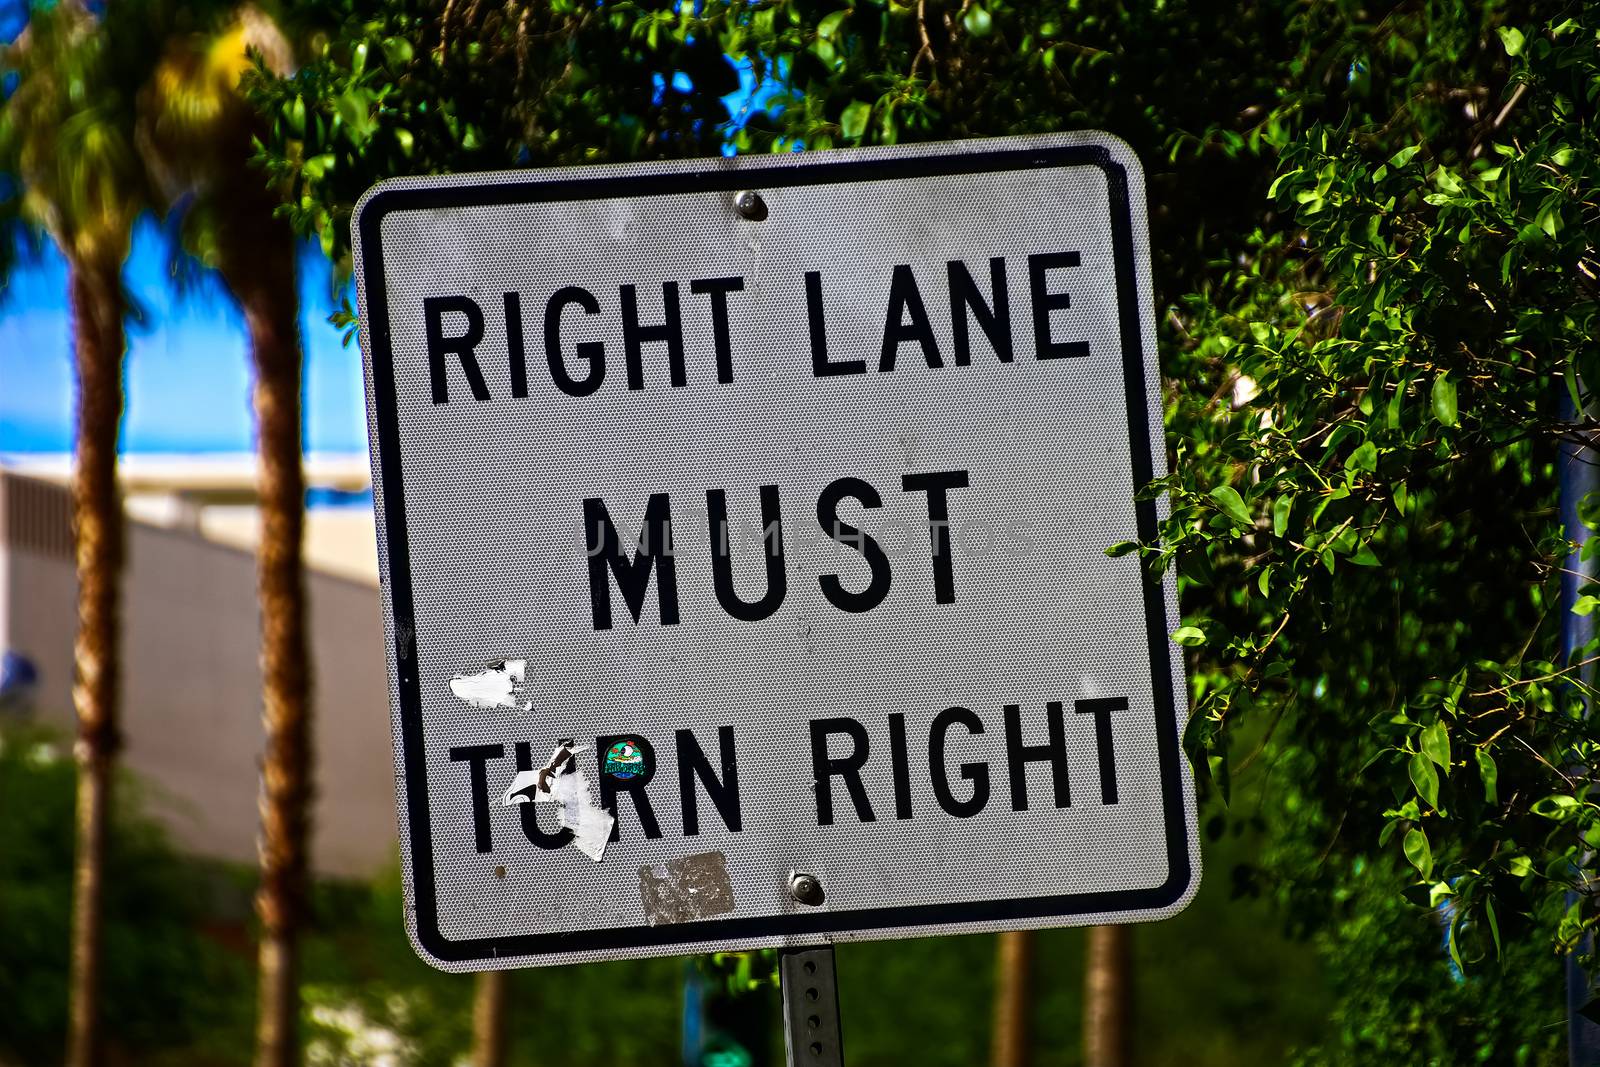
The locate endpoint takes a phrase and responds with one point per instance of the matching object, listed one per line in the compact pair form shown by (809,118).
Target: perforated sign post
(742,529)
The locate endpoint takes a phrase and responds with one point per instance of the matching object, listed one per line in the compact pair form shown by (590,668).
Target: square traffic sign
(742,529)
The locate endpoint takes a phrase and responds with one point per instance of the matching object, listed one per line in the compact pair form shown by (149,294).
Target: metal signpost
(742,529)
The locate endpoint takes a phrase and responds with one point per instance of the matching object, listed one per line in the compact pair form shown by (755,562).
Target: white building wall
(192,689)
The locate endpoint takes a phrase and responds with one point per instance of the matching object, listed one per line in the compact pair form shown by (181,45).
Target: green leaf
(853,123)
(1557,806)
(1417,851)
(1436,744)
(1396,402)
(1549,221)
(1490,775)
(1404,156)
(1232,504)
(1585,604)
(978,22)
(1122,548)
(1444,400)
(1425,778)
(355,108)
(1189,635)
(1217,764)
(1494,926)
(1272,190)
(828,28)
(1281,509)
(1364,458)
(315,167)
(397,50)
(1512,38)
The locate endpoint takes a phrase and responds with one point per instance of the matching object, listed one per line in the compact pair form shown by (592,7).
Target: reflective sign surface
(743,526)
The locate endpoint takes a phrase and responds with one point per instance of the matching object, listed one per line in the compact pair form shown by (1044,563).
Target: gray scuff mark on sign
(686,889)
(561,783)
(493,687)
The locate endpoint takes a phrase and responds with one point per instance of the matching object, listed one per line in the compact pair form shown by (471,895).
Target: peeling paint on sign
(493,687)
(560,782)
(686,889)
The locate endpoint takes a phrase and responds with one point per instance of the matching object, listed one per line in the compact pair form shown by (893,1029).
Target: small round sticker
(624,760)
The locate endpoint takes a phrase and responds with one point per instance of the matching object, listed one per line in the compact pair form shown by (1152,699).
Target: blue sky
(188,369)
(188,373)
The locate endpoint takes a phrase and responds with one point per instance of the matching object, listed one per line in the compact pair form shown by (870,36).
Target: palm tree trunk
(1013,1000)
(489,1020)
(261,273)
(97,316)
(1107,995)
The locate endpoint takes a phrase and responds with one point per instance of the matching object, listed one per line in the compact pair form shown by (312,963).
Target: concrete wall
(192,687)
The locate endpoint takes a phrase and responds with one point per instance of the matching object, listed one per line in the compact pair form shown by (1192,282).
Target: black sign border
(774,174)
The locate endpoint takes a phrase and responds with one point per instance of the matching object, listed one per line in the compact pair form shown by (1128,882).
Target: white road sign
(742,527)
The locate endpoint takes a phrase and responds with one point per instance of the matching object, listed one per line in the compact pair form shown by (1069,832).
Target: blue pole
(1580,476)
(694,1015)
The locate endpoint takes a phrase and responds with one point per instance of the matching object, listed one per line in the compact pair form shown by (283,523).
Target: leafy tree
(137,110)
(197,132)
(1376,521)
(66,152)
(1375,234)
(413,88)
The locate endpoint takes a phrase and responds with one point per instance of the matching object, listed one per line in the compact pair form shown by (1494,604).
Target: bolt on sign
(742,525)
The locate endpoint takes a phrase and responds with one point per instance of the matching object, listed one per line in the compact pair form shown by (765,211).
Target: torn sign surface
(686,889)
(561,783)
(493,687)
